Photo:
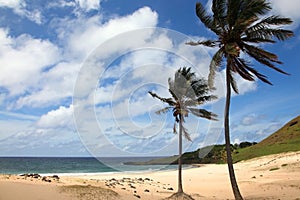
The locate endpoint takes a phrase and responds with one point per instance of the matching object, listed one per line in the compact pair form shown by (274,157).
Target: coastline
(268,177)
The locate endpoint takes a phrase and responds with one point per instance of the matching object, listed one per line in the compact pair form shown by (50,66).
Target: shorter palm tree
(188,92)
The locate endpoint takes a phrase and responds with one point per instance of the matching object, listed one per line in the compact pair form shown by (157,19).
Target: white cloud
(54,86)
(19,7)
(245,86)
(33,15)
(61,4)
(59,118)
(88,4)
(87,34)
(11,3)
(22,60)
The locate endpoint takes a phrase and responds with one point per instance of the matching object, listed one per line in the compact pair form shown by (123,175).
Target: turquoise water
(70,165)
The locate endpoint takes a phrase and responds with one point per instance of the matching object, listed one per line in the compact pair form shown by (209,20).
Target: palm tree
(188,92)
(240,27)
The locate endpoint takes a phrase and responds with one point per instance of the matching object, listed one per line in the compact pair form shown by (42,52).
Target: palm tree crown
(187,93)
(239,27)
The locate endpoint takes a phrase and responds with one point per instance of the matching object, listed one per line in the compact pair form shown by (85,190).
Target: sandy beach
(269,177)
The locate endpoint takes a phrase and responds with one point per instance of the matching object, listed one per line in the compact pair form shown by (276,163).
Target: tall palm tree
(240,26)
(188,92)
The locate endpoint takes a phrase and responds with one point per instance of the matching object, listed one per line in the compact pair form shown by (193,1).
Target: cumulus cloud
(23,59)
(85,34)
(59,118)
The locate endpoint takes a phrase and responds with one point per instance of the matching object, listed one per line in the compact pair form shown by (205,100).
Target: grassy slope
(285,139)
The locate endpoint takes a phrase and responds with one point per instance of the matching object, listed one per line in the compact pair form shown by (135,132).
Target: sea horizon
(73,166)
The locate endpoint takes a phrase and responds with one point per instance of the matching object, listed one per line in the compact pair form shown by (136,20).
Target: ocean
(75,166)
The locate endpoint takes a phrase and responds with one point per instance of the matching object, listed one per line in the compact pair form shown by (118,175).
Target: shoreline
(268,177)
(75,174)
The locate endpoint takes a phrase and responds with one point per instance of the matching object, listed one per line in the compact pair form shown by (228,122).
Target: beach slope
(269,177)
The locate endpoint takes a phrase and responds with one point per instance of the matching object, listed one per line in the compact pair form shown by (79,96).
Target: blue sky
(97,53)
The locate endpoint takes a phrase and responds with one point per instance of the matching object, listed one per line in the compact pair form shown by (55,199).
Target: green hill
(211,154)
(285,139)
(205,155)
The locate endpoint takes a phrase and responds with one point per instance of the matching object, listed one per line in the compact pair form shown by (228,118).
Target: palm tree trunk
(233,181)
(180,190)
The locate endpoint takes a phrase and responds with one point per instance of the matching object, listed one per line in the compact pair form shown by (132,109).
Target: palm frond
(200,100)
(262,53)
(280,34)
(233,83)
(176,114)
(241,70)
(262,57)
(219,8)
(208,43)
(205,18)
(257,40)
(253,8)
(257,74)
(165,100)
(249,13)
(171,89)
(186,134)
(204,99)
(203,113)
(271,20)
(269,33)
(214,66)
(174,129)
(163,110)
(233,11)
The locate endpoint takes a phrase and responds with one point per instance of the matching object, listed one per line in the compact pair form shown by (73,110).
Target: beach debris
(137,196)
(170,188)
(31,175)
(39,177)
(132,186)
(55,177)
(146,190)
(46,179)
